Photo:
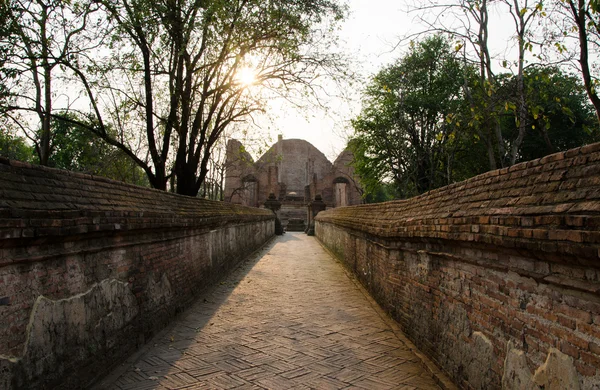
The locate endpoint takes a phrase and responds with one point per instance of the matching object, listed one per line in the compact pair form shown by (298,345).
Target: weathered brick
(589,358)
(576,314)
(569,349)
(541,334)
(585,369)
(592,330)
(566,235)
(72,237)
(589,149)
(566,322)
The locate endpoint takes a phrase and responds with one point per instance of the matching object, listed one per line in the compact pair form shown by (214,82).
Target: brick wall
(91,268)
(290,165)
(496,278)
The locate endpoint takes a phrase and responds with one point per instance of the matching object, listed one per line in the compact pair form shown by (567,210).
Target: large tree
(468,22)
(407,131)
(576,27)
(37,37)
(161,80)
(174,71)
(559,116)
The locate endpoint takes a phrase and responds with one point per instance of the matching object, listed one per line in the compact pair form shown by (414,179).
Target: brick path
(289,317)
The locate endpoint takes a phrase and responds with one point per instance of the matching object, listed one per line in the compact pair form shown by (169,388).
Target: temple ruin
(296,172)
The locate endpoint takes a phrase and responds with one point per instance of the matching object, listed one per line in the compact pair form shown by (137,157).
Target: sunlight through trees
(166,77)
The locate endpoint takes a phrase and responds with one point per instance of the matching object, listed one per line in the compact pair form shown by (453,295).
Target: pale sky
(370,34)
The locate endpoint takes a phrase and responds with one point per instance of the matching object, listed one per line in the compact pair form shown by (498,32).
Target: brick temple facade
(295,171)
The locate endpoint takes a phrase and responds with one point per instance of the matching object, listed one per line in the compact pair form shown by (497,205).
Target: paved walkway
(288,318)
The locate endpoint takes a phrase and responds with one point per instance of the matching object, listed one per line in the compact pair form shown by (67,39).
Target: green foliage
(14,147)
(200,48)
(76,149)
(7,33)
(383,193)
(160,78)
(560,116)
(418,130)
(409,130)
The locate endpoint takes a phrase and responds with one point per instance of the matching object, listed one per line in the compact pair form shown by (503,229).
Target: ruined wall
(496,278)
(293,169)
(239,167)
(91,268)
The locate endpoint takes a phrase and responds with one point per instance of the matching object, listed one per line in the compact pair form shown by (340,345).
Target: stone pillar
(314,208)
(308,216)
(274,205)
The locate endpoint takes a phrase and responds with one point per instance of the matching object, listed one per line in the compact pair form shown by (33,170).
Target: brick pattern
(289,318)
(61,233)
(512,254)
(551,204)
(40,202)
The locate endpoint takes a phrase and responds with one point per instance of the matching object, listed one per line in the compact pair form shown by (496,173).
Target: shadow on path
(288,317)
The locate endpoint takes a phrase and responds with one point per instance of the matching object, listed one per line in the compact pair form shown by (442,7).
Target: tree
(392,144)
(559,117)
(76,149)
(38,37)
(524,14)
(187,56)
(13,147)
(161,79)
(468,24)
(406,132)
(583,18)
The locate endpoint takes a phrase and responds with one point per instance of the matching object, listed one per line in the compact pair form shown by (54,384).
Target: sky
(370,35)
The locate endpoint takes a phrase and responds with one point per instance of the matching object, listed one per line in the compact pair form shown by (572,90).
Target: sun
(246,76)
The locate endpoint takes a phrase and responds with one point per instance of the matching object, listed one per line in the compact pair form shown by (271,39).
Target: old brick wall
(293,169)
(496,278)
(91,268)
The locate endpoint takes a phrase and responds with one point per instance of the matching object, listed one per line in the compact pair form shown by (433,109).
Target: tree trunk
(44,152)
(580,19)
(159,179)
(45,113)
(491,155)
(186,180)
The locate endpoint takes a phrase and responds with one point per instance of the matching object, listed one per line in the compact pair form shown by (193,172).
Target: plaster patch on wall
(558,372)
(72,329)
(159,293)
(517,375)
(419,265)
(479,358)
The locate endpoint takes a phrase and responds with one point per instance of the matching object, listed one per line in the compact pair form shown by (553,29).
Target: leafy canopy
(406,130)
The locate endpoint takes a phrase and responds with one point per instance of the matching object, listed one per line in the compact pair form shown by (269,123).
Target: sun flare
(246,76)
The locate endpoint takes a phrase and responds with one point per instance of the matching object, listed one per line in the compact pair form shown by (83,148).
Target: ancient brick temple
(295,171)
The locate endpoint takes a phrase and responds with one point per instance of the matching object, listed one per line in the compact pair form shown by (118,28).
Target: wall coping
(551,204)
(42,202)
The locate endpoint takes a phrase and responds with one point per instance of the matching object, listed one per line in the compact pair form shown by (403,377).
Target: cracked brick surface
(289,318)
(551,204)
(41,202)
(505,260)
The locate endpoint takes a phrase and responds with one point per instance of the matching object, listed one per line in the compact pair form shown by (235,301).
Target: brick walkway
(288,318)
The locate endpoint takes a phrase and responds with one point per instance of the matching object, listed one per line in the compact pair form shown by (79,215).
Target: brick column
(314,208)
(274,205)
